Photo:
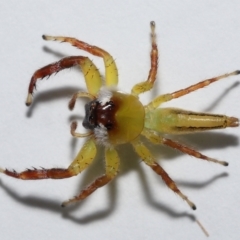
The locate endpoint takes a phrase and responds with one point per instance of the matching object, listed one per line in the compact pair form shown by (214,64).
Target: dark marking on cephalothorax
(98,114)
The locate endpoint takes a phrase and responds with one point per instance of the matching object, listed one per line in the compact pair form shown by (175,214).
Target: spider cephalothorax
(97,114)
(114,118)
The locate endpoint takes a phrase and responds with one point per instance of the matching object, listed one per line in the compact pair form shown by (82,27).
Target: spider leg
(81,162)
(92,76)
(148,84)
(156,139)
(167,97)
(112,166)
(147,157)
(111,71)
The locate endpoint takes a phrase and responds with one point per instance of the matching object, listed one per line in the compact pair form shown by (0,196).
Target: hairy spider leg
(111,168)
(147,157)
(92,76)
(148,84)
(167,97)
(81,162)
(111,71)
(154,138)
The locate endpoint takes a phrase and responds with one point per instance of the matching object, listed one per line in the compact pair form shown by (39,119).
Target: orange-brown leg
(81,162)
(147,85)
(190,151)
(111,71)
(37,174)
(156,139)
(48,70)
(147,157)
(90,71)
(99,182)
(112,166)
(167,97)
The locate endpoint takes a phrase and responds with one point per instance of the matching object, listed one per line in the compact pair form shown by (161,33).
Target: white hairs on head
(101,135)
(104,95)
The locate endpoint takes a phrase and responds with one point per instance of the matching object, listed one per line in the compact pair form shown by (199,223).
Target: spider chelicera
(114,118)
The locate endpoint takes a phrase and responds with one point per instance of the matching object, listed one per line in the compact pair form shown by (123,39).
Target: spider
(113,118)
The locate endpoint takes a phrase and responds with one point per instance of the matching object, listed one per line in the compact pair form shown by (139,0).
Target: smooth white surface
(197,40)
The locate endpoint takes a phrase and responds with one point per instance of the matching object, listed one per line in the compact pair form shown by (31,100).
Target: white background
(197,40)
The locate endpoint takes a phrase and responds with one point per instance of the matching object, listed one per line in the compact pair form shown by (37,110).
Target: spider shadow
(169,211)
(95,170)
(51,95)
(126,153)
(221,97)
(54,206)
(57,54)
(30,201)
(205,140)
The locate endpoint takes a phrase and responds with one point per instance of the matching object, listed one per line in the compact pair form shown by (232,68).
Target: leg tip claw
(194,207)
(46,37)
(225,164)
(29,99)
